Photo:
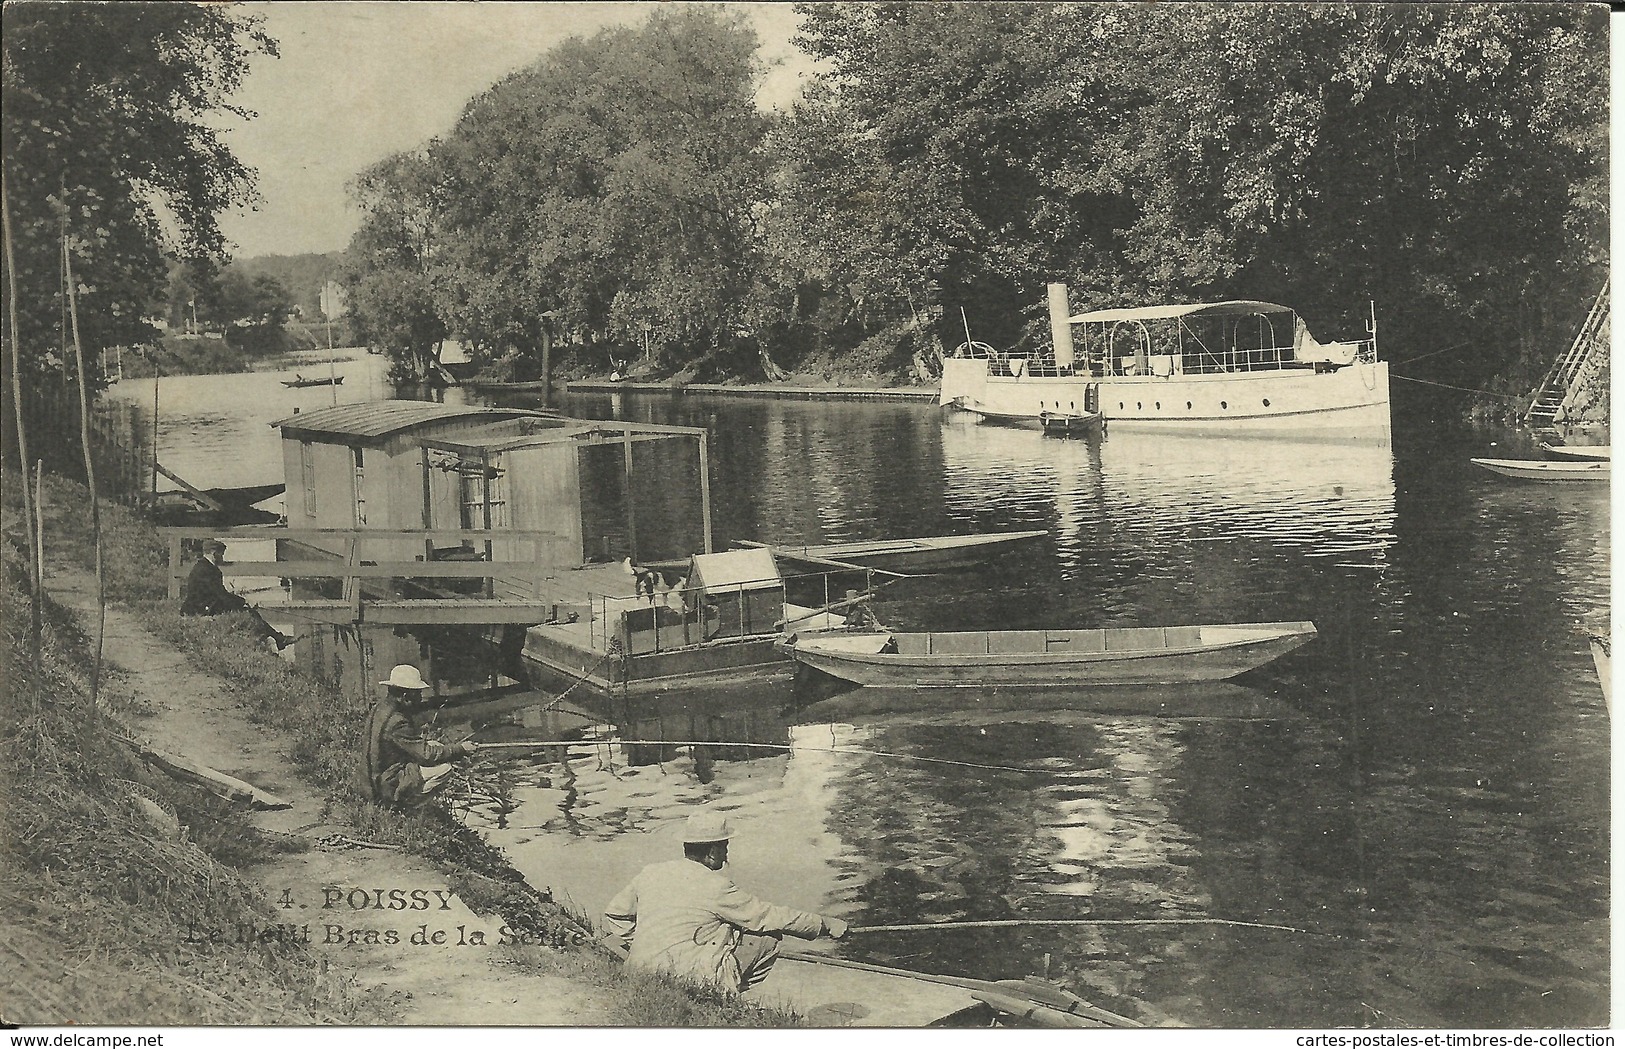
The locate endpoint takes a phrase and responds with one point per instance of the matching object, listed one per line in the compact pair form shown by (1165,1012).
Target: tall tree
(107,139)
(615,183)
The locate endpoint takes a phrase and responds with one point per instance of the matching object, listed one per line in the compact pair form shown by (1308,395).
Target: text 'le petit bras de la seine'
(336,901)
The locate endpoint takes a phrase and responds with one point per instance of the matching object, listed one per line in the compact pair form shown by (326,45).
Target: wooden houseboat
(596,501)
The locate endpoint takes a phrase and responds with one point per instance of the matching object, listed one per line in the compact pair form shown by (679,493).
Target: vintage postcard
(851,515)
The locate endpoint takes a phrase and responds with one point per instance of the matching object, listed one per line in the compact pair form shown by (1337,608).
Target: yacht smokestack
(1060,325)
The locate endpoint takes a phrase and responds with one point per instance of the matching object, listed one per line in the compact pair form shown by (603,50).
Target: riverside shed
(606,489)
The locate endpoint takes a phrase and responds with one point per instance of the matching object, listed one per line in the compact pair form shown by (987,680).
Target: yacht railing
(1191,362)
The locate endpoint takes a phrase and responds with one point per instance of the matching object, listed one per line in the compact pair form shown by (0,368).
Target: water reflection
(1140,490)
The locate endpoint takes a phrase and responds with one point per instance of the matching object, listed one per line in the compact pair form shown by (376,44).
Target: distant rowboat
(936,553)
(299,381)
(1547,470)
(1117,656)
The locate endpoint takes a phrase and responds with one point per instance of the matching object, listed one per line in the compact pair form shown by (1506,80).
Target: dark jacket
(205,593)
(396,750)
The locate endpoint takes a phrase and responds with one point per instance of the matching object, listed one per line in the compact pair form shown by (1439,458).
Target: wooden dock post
(705,491)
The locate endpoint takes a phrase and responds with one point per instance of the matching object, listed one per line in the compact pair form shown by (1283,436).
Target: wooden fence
(393,608)
(51,417)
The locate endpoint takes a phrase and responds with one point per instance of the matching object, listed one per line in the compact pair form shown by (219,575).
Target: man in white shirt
(687,918)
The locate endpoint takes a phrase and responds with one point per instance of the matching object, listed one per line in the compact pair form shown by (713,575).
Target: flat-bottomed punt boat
(935,553)
(300,382)
(1116,656)
(1547,469)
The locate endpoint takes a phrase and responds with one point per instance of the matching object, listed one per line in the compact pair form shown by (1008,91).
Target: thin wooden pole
(36,541)
(36,559)
(90,472)
(631,500)
(157,373)
(705,491)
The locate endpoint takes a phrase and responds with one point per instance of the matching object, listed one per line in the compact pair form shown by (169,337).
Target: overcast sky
(357,81)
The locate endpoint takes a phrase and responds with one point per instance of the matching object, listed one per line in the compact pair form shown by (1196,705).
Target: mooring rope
(1463,389)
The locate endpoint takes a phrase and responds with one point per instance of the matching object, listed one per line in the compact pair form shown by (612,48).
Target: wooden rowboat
(1588,452)
(938,553)
(299,381)
(1071,422)
(1546,470)
(836,992)
(1117,656)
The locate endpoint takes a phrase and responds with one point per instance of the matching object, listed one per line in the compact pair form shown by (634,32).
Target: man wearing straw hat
(205,594)
(687,918)
(403,766)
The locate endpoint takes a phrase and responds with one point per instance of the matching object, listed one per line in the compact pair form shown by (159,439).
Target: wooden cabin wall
(392,492)
(320,489)
(542,487)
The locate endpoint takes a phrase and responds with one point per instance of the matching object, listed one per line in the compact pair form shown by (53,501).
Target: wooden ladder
(1569,375)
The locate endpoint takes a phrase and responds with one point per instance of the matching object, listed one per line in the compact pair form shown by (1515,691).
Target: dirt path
(345,903)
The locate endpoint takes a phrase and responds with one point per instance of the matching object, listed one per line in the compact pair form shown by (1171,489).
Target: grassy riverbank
(103,884)
(96,863)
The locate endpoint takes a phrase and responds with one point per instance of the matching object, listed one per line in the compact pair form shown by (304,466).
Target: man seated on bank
(404,766)
(205,594)
(688,919)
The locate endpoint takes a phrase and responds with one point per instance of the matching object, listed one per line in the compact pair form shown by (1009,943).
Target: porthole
(1138,406)
(1266,402)
(1159,406)
(1224,404)
(1187,405)
(1120,405)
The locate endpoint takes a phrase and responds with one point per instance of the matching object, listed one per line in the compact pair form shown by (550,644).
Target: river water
(1422,792)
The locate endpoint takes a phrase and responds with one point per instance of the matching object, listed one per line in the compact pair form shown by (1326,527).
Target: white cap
(405,676)
(706,827)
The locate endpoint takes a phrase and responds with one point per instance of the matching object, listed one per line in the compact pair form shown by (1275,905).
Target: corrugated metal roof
(1231,308)
(373,420)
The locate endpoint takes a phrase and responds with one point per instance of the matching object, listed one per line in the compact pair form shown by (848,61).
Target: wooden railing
(350,568)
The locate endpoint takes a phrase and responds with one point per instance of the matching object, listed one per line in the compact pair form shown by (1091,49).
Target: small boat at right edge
(1548,469)
(1112,656)
(1586,452)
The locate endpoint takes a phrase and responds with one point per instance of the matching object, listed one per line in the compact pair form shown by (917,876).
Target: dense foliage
(1444,161)
(109,146)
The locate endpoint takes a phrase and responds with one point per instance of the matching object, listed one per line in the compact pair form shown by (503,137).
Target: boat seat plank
(973,643)
(1075,641)
(1136,639)
(1014,642)
(1181,636)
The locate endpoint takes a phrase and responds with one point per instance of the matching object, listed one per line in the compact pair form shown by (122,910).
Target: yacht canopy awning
(1230,308)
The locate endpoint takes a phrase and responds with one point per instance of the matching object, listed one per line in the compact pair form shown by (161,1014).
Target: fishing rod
(1010,923)
(763,746)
